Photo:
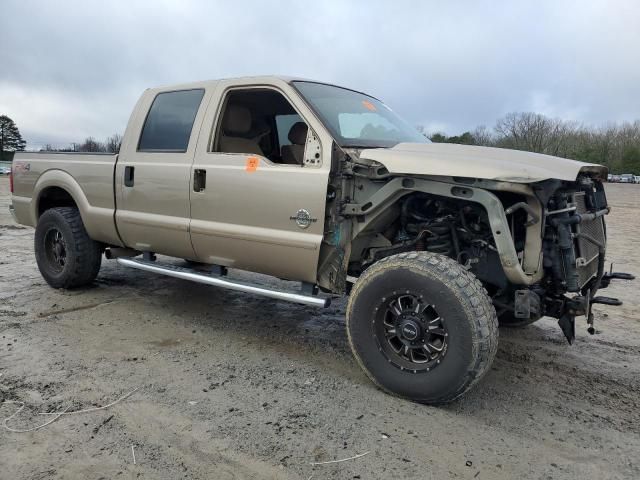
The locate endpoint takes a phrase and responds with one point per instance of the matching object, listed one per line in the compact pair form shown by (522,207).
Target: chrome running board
(219,281)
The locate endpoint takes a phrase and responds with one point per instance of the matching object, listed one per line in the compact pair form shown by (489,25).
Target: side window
(261,122)
(284,124)
(170,120)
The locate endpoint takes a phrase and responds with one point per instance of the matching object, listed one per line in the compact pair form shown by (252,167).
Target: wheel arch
(374,208)
(57,188)
(52,197)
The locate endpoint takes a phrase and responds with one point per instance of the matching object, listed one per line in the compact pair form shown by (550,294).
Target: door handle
(128,176)
(199,180)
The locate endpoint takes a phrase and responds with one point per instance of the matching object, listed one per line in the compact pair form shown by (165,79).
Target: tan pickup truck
(434,244)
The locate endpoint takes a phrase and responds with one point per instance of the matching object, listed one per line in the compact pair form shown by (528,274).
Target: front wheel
(66,256)
(422,327)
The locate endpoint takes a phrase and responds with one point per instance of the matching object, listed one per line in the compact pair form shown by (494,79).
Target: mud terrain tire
(65,254)
(453,303)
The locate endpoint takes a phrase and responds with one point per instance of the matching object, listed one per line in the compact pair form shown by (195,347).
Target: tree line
(615,145)
(11,141)
(90,144)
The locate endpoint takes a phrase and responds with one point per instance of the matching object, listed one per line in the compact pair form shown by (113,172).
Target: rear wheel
(66,256)
(422,327)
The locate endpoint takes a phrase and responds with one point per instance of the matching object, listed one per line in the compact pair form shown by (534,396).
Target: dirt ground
(233,386)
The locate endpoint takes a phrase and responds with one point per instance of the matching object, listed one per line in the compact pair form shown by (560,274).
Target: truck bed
(41,175)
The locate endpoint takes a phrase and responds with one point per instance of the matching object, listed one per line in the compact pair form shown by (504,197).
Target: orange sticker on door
(368,105)
(252,164)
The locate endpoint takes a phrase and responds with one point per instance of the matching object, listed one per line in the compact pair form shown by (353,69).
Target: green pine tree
(10,138)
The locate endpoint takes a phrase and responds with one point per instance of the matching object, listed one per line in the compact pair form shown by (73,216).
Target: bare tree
(113,143)
(91,145)
(483,136)
(534,132)
(615,145)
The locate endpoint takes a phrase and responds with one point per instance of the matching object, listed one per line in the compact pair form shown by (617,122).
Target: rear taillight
(11,179)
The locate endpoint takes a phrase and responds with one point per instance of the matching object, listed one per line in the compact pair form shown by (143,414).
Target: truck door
(259,185)
(153,172)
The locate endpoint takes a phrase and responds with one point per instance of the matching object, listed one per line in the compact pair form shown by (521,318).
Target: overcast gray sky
(70,69)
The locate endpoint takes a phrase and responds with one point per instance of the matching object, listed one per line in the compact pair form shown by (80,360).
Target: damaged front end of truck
(574,251)
(530,227)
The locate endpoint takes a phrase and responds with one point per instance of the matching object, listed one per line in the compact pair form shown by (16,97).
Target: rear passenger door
(153,172)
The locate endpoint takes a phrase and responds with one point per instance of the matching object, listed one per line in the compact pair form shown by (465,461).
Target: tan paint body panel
(451,160)
(243,218)
(154,214)
(87,178)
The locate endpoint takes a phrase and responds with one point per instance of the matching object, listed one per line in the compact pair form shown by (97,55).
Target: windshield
(355,119)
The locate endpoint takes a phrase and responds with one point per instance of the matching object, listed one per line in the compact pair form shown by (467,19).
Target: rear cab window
(169,122)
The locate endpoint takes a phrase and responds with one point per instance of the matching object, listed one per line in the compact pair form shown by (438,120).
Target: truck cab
(213,184)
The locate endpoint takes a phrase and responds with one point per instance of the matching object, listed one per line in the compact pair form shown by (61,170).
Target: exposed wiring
(92,409)
(341,460)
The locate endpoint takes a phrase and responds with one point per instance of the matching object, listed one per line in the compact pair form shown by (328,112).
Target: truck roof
(257,79)
(268,79)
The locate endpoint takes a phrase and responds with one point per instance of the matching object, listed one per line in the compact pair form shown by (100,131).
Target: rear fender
(98,221)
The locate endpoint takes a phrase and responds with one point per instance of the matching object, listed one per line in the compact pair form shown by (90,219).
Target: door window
(261,122)
(170,121)
(284,124)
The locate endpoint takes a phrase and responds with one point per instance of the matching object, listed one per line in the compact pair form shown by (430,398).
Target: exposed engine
(573,248)
(574,254)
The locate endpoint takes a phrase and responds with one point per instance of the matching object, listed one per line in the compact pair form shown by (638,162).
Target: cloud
(71,69)
(49,115)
